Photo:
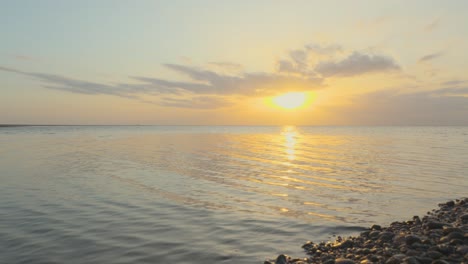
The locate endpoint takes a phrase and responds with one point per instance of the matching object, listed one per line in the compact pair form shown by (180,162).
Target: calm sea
(159,194)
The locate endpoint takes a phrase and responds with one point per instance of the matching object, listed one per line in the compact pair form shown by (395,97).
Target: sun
(290,100)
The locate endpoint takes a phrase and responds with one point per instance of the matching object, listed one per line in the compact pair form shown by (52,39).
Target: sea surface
(189,194)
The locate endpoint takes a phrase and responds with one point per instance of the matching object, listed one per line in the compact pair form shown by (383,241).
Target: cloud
(286,66)
(226,66)
(203,82)
(433,25)
(455,91)
(256,84)
(431,56)
(26,57)
(355,64)
(299,63)
(6,69)
(453,82)
(198,102)
(390,107)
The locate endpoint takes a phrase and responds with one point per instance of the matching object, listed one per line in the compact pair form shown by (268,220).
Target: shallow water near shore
(161,194)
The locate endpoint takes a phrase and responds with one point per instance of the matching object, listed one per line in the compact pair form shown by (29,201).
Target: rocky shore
(440,237)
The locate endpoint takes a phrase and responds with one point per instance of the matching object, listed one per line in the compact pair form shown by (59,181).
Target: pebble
(411,239)
(410,260)
(344,261)
(282,259)
(435,225)
(386,236)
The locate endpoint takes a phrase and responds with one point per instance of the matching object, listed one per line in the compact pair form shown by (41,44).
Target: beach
(440,237)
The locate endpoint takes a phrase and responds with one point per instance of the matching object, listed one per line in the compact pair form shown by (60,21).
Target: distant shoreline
(7,125)
(337,126)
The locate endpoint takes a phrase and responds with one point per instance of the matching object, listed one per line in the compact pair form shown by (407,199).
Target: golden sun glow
(290,100)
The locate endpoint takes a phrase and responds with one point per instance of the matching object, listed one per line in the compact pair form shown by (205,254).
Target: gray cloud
(246,84)
(225,65)
(437,107)
(198,102)
(431,56)
(6,69)
(204,82)
(355,64)
(286,66)
(298,59)
(454,91)
(433,25)
(453,82)
(25,57)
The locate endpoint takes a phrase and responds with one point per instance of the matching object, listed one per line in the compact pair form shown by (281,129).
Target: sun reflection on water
(290,140)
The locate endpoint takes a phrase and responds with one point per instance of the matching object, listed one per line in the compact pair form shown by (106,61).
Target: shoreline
(440,237)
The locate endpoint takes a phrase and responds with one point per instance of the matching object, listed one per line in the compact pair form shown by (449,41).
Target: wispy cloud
(211,85)
(204,82)
(432,25)
(332,63)
(390,107)
(453,82)
(25,57)
(357,63)
(198,102)
(431,56)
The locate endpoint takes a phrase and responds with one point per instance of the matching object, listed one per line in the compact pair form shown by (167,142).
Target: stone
(393,260)
(440,261)
(281,259)
(376,227)
(410,260)
(373,258)
(434,254)
(464,218)
(411,239)
(424,260)
(444,249)
(462,250)
(344,261)
(455,235)
(386,236)
(455,242)
(435,225)
(345,244)
(447,230)
(374,234)
(412,252)
(450,203)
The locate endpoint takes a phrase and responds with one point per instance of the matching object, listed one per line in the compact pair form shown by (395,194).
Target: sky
(221,62)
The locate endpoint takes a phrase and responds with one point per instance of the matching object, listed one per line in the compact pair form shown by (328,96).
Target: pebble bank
(440,237)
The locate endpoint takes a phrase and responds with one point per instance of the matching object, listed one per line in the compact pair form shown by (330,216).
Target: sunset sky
(225,62)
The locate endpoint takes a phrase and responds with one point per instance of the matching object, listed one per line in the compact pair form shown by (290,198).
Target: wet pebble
(344,261)
(411,239)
